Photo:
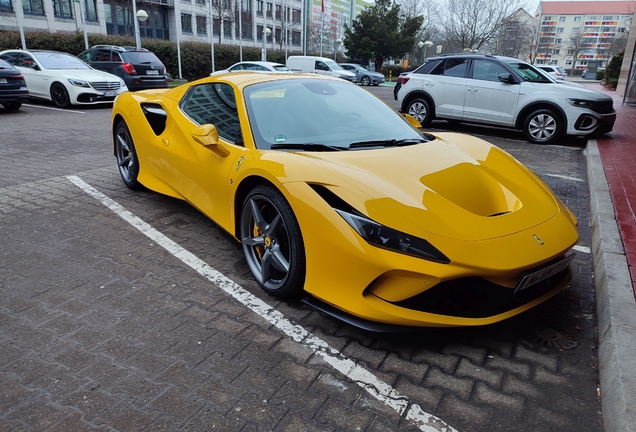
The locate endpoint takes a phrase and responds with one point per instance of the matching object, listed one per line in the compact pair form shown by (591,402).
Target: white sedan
(255,66)
(63,78)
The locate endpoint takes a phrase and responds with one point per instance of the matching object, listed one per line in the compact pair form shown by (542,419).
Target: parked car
(140,69)
(442,229)
(13,89)
(402,78)
(255,66)
(556,71)
(504,91)
(319,65)
(63,78)
(363,75)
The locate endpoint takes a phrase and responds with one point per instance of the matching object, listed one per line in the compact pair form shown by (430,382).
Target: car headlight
(79,83)
(580,102)
(393,240)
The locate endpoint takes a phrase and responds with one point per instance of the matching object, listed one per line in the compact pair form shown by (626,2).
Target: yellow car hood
(456,186)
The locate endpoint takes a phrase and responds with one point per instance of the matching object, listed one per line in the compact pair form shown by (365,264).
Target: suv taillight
(17,77)
(129,68)
(403,80)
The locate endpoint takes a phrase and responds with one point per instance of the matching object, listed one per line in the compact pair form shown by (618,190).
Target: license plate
(3,80)
(152,72)
(110,93)
(544,273)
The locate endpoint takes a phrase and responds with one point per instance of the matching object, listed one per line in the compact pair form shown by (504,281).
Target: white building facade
(572,33)
(293,24)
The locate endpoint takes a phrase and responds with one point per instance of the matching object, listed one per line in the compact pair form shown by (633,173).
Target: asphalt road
(102,328)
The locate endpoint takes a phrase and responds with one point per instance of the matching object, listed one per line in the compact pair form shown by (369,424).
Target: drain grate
(553,338)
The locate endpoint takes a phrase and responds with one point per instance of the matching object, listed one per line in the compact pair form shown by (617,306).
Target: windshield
(530,73)
(281,68)
(60,61)
(320,112)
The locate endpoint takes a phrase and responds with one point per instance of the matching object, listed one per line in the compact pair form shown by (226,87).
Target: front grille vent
(106,85)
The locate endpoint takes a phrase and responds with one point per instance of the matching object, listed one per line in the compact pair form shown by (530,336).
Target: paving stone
(447,363)
(549,361)
(542,376)
(519,368)
(459,386)
(485,394)
(468,369)
(476,355)
(466,416)
(402,367)
(343,416)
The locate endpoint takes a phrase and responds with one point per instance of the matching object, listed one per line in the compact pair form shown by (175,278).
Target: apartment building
(571,33)
(293,23)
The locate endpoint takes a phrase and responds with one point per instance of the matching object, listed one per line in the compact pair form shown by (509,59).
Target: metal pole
(241,30)
(135,24)
(211,33)
(84,23)
(264,48)
(177,18)
(19,14)
(322,25)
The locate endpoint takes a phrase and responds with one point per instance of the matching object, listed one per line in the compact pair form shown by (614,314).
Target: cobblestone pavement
(100,329)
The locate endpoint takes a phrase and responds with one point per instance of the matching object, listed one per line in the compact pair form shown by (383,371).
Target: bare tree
(575,46)
(515,37)
(224,11)
(471,24)
(429,11)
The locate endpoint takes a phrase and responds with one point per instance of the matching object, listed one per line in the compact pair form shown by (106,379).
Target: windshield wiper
(387,143)
(306,146)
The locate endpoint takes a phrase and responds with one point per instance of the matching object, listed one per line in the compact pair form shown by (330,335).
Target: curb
(615,304)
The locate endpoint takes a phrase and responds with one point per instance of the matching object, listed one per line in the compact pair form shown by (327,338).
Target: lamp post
(335,48)
(82,21)
(142,16)
(426,44)
(266,32)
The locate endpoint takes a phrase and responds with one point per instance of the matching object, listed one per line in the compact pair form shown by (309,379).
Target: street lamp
(266,32)
(83,22)
(426,44)
(335,49)
(142,16)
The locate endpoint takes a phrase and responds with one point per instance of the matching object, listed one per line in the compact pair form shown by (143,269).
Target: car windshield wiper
(306,146)
(387,143)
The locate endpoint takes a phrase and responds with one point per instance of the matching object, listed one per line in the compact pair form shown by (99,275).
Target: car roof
(119,48)
(259,62)
(471,55)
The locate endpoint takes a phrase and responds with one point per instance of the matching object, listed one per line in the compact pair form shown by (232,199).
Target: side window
(24,60)
(102,55)
(321,66)
(455,67)
(10,58)
(85,56)
(237,68)
(214,104)
(117,57)
(486,70)
(426,68)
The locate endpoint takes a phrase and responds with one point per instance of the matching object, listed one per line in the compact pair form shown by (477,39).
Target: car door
(35,75)
(489,100)
(446,83)
(201,173)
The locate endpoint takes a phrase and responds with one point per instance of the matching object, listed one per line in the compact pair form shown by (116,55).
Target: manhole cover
(553,338)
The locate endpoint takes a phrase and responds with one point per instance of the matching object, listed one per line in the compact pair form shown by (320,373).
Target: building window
(63,8)
(259,33)
(227,29)
(33,7)
(6,6)
(90,6)
(270,8)
(259,8)
(558,40)
(556,52)
(216,27)
(202,25)
(278,12)
(295,38)
(561,19)
(186,23)
(296,15)
(575,30)
(559,29)
(577,19)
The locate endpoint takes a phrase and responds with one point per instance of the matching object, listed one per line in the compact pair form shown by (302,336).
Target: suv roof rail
(120,48)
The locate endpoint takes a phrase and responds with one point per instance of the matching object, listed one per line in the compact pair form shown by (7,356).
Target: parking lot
(104,325)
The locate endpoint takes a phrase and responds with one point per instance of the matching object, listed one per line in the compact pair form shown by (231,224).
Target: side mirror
(506,78)
(411,120)
(35,66)
(206,135)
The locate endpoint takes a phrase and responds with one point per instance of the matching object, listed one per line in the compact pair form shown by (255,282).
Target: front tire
(420,109)
(365,81)
(126,156)
(59,95)
(272,242)
(542,126)
(12,106)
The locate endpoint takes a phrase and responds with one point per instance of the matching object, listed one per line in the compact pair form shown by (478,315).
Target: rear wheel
(420,109)
(542,126)
(12,106)
(365,81)
(126,156)
(59,95)
(272,242)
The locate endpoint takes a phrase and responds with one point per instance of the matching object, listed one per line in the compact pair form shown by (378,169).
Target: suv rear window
(451,67)
(138,57)
(426,67)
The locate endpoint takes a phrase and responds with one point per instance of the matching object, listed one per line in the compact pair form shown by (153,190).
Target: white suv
(503,91)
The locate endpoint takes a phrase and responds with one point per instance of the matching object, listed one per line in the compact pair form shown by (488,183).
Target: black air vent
(156,117)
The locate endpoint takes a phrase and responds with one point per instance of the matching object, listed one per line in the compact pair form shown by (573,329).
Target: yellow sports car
(338,198)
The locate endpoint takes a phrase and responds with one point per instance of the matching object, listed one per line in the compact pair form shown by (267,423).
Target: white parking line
(55,109)
(365,379)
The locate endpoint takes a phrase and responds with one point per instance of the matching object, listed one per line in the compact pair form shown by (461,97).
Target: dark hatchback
(13,89)
(140,69)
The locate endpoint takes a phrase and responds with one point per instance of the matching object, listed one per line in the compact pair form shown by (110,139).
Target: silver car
(363,75)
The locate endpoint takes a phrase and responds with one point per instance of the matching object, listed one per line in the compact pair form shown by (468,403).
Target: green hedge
(195,56)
